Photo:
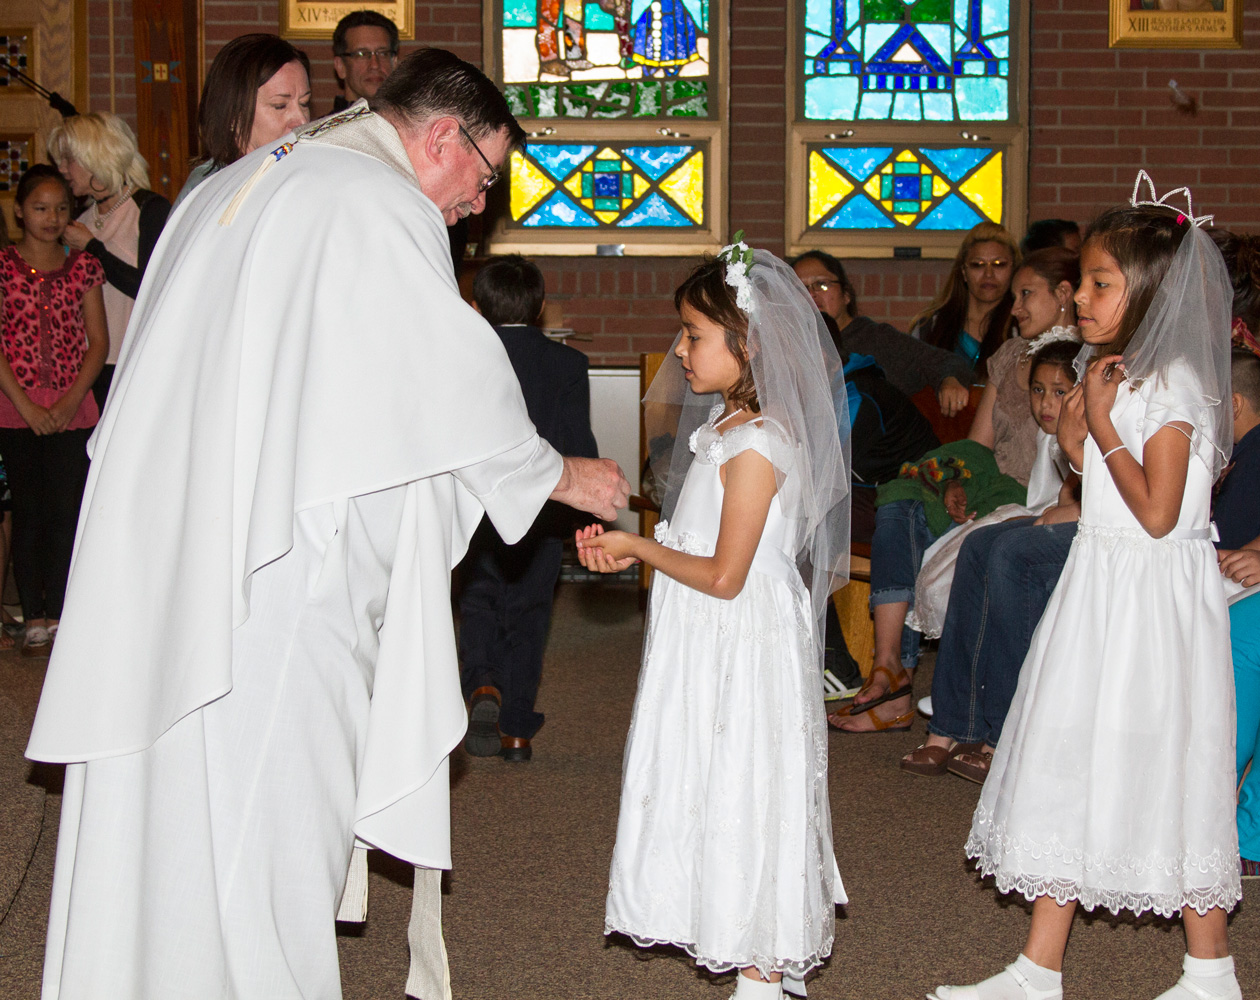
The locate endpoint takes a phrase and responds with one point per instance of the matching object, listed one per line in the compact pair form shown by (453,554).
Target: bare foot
(882,680)
(895,714)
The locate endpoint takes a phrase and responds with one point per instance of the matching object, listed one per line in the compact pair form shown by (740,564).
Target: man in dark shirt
(506,590)
(365,51)
(1238,495)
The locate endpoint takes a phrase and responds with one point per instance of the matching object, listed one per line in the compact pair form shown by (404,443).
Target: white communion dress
(1113,782)
(724,835)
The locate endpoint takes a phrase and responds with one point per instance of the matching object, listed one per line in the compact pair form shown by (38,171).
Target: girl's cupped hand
(605,551)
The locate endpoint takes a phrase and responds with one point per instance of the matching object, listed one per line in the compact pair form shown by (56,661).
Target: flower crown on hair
(1051,336)
(1186,216)
(738,258)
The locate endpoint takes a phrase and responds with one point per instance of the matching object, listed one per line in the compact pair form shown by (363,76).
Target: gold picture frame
(318,18)
(1175,24)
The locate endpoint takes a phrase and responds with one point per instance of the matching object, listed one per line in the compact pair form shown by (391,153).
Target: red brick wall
(1097,116)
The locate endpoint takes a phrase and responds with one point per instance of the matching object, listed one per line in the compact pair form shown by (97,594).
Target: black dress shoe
(515,749)
(483,723)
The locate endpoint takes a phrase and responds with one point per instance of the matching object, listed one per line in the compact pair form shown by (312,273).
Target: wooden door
(47,41)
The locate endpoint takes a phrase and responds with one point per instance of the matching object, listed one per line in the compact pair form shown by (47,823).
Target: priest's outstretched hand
(595,485)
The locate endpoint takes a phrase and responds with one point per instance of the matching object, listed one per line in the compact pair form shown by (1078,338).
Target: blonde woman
(971,314)
(97,154)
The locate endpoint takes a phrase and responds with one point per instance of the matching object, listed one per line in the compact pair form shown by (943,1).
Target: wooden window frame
(630,241)
(1010,136)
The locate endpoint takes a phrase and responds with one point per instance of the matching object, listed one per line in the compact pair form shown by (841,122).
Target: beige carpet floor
(524,905)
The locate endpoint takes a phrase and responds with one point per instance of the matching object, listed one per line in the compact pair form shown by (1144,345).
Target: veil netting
(799,382)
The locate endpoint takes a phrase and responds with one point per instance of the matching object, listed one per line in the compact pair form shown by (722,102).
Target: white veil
(800,386)
(1179,357)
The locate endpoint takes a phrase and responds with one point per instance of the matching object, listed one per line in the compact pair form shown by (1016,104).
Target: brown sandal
(932,761)
(894,691)
(974,766)
(897,724)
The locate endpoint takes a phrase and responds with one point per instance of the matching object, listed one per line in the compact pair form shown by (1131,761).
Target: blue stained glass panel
(520,13)
(655,161)
(831,97)
(560,211)
(957,163)
(656,211)
(951,213)
(907,108)
(559,161)
(875,106)
(900,59)
(859,212)
(859,161)
(981,98)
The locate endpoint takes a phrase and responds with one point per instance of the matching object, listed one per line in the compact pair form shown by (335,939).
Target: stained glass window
(906,60)
(905,187)
(562,186)
(605,58)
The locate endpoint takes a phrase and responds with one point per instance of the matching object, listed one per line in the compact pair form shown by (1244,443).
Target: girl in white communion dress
(1113,782)
(724,835)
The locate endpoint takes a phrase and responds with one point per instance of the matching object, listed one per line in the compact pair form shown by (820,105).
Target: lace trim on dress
(684,541)
(992,853)
(792,968)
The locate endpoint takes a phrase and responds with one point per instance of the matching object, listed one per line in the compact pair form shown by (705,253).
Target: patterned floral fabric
(43,330)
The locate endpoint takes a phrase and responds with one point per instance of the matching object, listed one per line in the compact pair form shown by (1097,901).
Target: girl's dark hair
(1054,264)
(941,323)
(1060,354)
(225,116)
(706,291)
(509,289)
(1143,242)
(1047,233)
(1242,257)
(37,175)
(836,268)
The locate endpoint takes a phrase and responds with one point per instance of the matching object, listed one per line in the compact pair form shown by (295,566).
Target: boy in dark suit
(507,590)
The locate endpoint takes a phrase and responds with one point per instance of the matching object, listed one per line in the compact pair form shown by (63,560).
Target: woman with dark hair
(257,89)
(909,364)
(971,314)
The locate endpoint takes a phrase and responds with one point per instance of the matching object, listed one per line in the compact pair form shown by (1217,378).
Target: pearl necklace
(99,220)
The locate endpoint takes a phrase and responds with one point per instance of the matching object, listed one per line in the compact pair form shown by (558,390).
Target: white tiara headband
(738,258)
(1186,216)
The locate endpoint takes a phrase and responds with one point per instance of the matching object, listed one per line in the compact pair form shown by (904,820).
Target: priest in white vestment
(257,662)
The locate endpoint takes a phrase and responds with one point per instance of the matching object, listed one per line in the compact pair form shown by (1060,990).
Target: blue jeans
(1002,583)
(901,537)
(1244,632)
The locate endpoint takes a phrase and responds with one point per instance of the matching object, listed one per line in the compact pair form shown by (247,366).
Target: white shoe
(1009,984)
(925,706)
(834,688)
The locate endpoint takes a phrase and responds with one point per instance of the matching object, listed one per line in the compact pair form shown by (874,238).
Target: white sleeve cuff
(513,485)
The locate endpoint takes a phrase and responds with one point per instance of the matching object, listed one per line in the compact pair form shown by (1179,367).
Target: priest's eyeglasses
(486,182)
(366,55)
(822,285)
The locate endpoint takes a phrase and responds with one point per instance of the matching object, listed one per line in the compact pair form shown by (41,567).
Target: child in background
(1113,781)
(724,836)
(506,590)
(55,343)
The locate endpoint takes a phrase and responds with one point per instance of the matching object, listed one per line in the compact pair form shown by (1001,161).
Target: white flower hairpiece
(1051,336)
(738,258)
(1186,216)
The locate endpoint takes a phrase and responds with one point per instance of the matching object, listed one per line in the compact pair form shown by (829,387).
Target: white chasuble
(310,354)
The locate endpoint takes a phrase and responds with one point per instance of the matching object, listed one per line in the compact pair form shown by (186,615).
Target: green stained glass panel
(605,58)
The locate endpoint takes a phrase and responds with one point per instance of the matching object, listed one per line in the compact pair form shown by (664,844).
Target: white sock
(1023,979)
(1205,979)
(756,989)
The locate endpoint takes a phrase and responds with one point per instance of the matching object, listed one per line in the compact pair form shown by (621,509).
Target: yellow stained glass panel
(607,154)
(685,187)
(574,184)
(905,156)
(905,220)
(872,187)
(984,187)
(529,185)
(641,184)
(827,187)
(940,186)
(607,216)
